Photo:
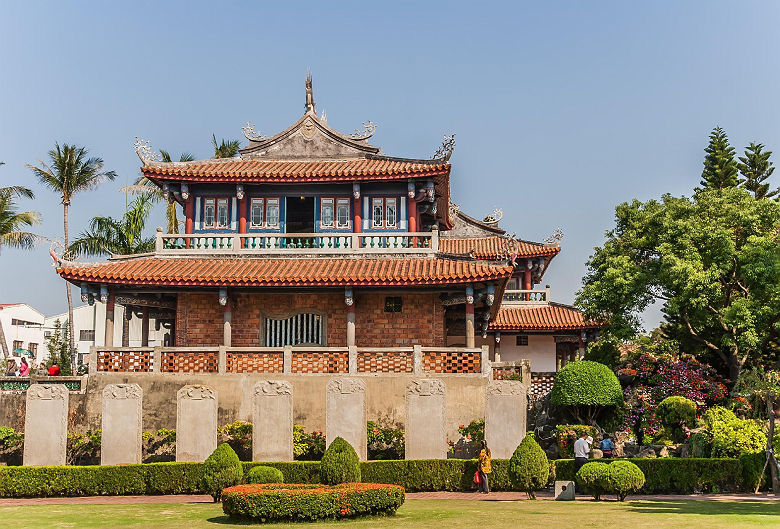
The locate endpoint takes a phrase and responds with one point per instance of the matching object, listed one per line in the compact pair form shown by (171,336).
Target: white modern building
(23,329)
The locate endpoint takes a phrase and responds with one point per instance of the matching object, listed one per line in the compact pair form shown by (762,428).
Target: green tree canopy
(713,260)
(124,236)
(756,168)
(720,168)
(226,148)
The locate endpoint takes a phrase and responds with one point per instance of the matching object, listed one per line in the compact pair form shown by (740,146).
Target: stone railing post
(417,359)
(158,241)
(435,240)
(93,359)
(157,359)
(287,360)
(353,352)
(236,244)
(222,360)
(485,361)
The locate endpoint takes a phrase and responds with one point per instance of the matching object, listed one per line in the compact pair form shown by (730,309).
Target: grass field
(424,514)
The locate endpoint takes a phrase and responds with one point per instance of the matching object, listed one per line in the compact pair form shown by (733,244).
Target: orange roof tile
(493,247)
(550,317)
(232,169)
(283,272)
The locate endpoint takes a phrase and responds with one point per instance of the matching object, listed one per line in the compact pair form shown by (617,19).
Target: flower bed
(286,502)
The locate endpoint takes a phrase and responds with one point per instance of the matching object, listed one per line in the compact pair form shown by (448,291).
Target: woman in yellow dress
(483,466)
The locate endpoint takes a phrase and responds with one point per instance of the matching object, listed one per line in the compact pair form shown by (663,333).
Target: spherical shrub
(586,383)
(593,477)
(529,468)
(675,412)
(340,463)
(624,478)
(263,474)
(222,469)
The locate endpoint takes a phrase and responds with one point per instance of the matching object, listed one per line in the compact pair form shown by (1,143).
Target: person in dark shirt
(607,446)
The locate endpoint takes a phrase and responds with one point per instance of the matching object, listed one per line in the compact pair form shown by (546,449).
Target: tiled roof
(235,169)
(550,317)
(492,247)
(283,272)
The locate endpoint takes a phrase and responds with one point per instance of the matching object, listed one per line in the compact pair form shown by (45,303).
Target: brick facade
(421,320)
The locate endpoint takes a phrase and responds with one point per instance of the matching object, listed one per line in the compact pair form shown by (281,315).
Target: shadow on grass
(703,507)
(227,520)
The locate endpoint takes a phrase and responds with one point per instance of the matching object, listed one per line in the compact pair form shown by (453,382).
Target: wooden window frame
(383,225)
(336,202)
(265,206)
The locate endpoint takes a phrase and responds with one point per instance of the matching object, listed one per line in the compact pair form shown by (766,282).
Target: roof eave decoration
(144,151)
(445,150)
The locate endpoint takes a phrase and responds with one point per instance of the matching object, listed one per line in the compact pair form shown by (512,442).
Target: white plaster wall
(540,350)
(26,334)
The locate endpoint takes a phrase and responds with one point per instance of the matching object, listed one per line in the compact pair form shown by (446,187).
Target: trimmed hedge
(620,477)
(529,468)
(264,474)
(426,475)
(340,463)
(274,502)
(222,469)
(672,475)
(586,383)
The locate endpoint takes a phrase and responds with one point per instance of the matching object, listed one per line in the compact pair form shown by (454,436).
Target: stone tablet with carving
(196,423)
(46,425)
(121,424)
(505,414)
(345,413)
(272,420)
(425,419)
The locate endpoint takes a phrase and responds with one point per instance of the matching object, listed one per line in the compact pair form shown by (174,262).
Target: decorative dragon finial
(369,127)
(555,238)
(454,209)
(445,150)
(145,152)
(309,95)
(250,133)
(495,217)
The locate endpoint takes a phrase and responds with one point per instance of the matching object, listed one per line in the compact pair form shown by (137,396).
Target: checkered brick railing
(541,384)
(319,361)
(385,361)
(254,362)
(125,361)
(189,362)
(454,362)
(508,373)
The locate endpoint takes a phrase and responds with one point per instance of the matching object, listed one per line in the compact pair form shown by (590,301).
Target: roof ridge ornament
(369,128)
(555,238)
(495,217)
(309,95)
(145,152)
(445,149)
(250,133)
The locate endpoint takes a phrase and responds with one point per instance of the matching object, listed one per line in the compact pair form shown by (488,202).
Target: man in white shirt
(582,450)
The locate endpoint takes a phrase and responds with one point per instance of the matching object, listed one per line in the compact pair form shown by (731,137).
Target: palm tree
(124,236)
(225,149)
(11,222)
(145,186)
(71,172)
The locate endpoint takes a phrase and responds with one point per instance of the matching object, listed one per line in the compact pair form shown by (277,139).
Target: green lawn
(425,514)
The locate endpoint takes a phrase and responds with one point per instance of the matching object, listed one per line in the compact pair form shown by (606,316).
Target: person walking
(24,369)
(607,446)
(483,467)
(581,453)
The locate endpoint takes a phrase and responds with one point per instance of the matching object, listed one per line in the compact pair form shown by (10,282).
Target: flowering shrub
(280,502)
(662,376)
(84,449)
(307,446)
(384,442)
(238,434)
(471,435)
(566,434)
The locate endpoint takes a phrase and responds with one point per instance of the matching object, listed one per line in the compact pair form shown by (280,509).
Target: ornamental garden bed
(307,502)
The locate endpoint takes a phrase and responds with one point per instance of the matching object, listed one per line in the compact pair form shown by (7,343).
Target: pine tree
(720,168)
(756,168)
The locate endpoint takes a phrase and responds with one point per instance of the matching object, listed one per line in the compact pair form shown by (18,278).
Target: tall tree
(712,260)
(756,168)
(12,234)
(720,168)
(145,186)
(71,171)
(226,148)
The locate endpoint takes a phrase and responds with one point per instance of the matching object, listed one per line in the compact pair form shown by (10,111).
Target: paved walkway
(494,496)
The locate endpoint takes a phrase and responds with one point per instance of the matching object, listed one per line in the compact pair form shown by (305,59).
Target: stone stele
(46,425)
(505,410)
(196,423)
(345,413)
(121,424)
(272,419)
(425,419)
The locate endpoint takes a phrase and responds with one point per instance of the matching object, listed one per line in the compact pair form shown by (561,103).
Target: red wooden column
(145,327)
(242,218)
(413,219)
(357,218)
(189,218)
(527,283)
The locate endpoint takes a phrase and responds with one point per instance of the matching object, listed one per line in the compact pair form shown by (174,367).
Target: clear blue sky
(561,109)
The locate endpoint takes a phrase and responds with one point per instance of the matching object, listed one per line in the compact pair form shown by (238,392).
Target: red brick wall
(421,321)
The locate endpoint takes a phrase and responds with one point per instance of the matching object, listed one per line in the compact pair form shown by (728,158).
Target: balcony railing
(289,360)
(284,243)
(527,297)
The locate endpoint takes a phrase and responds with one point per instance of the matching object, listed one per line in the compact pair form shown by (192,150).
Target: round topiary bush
(298,503)
(222,469)
(624,478)
(529,468)
(263,474)
(593,477)
(675,412)
(340,463)
(586,387)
